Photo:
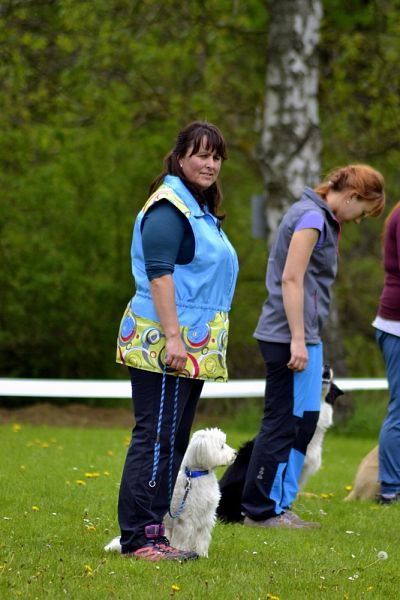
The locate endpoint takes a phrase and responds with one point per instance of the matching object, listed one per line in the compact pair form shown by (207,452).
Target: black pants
(139,503)
(291,411)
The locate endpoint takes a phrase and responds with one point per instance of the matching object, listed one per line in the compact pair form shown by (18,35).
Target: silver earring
(180,164)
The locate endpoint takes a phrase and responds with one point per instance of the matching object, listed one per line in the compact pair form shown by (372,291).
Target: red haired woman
(301,269)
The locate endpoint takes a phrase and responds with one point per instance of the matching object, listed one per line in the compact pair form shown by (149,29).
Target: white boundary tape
(91,388)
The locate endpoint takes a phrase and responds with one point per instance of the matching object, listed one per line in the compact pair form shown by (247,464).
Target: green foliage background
(92,95)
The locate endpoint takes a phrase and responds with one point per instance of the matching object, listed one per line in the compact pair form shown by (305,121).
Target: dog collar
(193,474)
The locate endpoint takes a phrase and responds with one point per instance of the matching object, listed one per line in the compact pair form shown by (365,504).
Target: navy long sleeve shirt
(167,239)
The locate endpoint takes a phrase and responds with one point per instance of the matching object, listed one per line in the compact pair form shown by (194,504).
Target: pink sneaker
(158,547)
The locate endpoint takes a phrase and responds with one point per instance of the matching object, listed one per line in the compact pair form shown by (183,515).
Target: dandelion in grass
(175,588)
(90,528)
(16,428)
(381,555)
(348,488)
(88,570)
(80,482)
(91,475)
(272,597)
(35,508)
(106,473)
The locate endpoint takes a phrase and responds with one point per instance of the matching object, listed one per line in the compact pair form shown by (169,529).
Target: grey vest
(320,275)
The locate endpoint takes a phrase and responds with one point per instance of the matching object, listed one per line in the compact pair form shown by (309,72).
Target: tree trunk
(290,140)
(290,146)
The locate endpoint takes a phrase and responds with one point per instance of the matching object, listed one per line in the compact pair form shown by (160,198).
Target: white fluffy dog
(196,493)
(191,530)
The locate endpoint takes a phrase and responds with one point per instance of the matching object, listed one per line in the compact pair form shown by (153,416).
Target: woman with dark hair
(173,335)
(387,324)
(302,267)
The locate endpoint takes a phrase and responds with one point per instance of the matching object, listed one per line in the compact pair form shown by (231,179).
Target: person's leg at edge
(389,437)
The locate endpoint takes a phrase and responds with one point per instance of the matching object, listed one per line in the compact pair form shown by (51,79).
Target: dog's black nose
(327,373)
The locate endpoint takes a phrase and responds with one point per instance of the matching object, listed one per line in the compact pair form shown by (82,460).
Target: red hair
(362,180)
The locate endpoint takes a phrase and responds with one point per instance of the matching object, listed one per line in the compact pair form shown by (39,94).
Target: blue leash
(157,444)
(189,474)
(172,439)
(156,460)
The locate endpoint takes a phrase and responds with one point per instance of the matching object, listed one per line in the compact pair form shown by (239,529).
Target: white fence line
(92,388)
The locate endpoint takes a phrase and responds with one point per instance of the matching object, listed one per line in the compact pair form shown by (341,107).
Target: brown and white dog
(366,485)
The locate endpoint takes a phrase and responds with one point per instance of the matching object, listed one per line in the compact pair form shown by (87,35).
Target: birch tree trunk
(290,146)
(290,140)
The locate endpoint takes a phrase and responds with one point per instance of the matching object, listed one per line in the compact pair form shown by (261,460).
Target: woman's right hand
(298,356)
(175,353)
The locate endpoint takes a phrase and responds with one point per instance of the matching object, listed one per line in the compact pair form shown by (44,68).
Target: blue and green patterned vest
(203,291)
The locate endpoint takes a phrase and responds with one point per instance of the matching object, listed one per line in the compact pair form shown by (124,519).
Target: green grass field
(58,508)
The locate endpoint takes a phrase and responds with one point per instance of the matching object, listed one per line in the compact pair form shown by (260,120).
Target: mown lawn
(58,508)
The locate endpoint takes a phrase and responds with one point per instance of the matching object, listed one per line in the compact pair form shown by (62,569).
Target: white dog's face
(208,449)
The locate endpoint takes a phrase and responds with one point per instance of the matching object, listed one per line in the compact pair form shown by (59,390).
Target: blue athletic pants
(292,404)
(389,437)
(139,503)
